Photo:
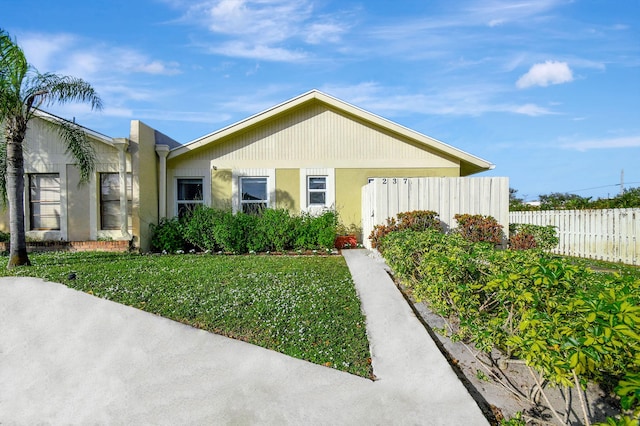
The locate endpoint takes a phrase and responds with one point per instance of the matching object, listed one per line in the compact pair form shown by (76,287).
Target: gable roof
(47,116)
(469,163)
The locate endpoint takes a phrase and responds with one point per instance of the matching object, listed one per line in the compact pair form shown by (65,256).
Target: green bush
(234,232)
(168,236)
(274,231)
(416,220)
(315,232)
(199,228)
(566,322)
(209,229)
(4,237)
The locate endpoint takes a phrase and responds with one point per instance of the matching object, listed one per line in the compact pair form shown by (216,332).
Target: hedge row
(214,230)
(566,322)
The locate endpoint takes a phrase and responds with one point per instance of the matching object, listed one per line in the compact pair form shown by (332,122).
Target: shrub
(221,230)
(416,220)
(4,237)
(478,228)
(569,324)
(273,231)
(167,235)
(522,241)
(233,232)
(199,228)
(315,232)
(544,237)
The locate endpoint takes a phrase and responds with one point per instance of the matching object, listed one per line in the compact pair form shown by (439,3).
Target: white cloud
(241,49)
(607,143)
(41,50)
(70,55)
(531,110)
(470,100)
(499,12)
(265,29)
(544,74)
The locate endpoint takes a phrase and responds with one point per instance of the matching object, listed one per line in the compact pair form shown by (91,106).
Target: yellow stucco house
(306,154)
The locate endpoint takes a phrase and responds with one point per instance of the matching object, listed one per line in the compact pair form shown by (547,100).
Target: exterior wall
(288,189)
(317,136)
(79,223)
(311,138)
(45,152)
(221,189)
(144,164)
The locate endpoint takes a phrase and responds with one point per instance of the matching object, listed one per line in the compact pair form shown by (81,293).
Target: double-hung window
(317,190)
(254,194)
(44,201)
(110,200)
(190,195)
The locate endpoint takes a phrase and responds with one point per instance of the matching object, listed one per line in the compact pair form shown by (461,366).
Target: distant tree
(22,90)
(516,203)
(629,198)
(563,201)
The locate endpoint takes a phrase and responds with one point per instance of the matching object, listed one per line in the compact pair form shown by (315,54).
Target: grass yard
(601,266)
(305,307)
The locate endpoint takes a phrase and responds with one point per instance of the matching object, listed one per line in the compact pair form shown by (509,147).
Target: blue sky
(547,90)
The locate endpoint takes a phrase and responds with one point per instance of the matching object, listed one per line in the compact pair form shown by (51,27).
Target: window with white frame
(317,190)
(189,195)
(254,194)
(44,201)
(110,200)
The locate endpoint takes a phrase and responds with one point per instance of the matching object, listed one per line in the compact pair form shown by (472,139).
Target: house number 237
(394,181)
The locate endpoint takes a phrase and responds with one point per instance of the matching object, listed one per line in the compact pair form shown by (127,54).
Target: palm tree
(22,91)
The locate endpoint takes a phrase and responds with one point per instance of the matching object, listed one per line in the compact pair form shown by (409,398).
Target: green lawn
(302,306)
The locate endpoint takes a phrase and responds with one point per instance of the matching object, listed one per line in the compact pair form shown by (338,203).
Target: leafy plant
(569,324)
(478,228)
(522,241)
(417,220)
(199,228)
(167,235)
(522,234)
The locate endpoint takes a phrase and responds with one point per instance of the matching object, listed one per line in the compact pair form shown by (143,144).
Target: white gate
(385,197)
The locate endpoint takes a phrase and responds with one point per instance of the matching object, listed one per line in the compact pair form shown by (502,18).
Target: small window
(317,190)
(189,195)
(110,201)
(254,197)
(44,201)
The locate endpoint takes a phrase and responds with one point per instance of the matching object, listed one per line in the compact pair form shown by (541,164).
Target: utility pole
(622,182)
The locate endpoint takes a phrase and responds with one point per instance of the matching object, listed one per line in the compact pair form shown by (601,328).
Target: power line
(599,187)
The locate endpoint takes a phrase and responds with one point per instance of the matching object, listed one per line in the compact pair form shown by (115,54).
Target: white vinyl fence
(386,197)
(608,234)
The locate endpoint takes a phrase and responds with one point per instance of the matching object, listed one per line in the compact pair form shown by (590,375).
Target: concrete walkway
(67,357)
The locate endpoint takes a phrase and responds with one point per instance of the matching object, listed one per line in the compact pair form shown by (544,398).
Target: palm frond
(79,147)
(13,70)
(47,89)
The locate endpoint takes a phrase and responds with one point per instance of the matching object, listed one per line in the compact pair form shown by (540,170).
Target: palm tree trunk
(16,132)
